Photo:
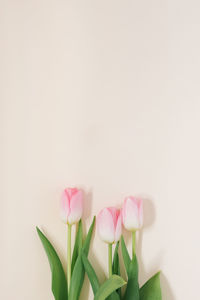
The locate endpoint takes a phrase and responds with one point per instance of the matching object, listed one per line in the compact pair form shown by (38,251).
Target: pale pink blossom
(109,224)
(132,213)
(71,205)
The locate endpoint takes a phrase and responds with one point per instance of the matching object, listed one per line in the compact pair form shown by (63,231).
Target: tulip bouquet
(109,227)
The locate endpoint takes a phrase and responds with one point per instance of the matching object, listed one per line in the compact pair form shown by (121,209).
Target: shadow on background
(144,275)
(166,288)
(87,205)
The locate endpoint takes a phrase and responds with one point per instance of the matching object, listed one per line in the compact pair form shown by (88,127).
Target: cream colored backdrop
(103,95)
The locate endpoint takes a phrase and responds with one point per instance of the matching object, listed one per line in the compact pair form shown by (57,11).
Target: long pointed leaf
(91,273)
(115,265)
(79,272)
(132,289)
(116,270)
(77,245)
(125,254)
(113,296)
(151,289)
(109,286)
(59,283)
(86,244)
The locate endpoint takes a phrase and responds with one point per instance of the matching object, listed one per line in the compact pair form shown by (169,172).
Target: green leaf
(86,244)
(79,272)
(125,254)
(109,286)
(113,296)
(59,283)
(132,289)
(91,273)
(116,267)
(151,289)
(77,245)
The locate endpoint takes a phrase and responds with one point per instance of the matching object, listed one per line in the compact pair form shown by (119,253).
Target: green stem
(69,255)
(133,244)
(110,259)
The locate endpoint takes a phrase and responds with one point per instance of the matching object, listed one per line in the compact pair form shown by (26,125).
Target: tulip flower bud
(71,205)
(132,213)
(109,224)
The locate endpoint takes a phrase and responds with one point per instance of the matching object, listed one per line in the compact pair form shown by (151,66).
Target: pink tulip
(109,224)
(71,205)
(132,213)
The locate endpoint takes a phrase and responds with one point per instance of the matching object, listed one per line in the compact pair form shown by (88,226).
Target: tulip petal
(116,215)
(114,212)
(130,214)
(64,207)
(71,192)
(118,229)
(140,212)
(76,207)
(105,226)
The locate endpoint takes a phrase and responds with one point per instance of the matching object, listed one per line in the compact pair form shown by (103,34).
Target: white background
(103,95)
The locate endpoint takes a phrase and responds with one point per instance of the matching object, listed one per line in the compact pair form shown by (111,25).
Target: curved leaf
(59,283)
(125,254)
(132,289)
(77,245)
(109,286)
(86,244)
(151,289)
(113,296)
(116,268)
(79,272)
(91,273)
(115,265)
